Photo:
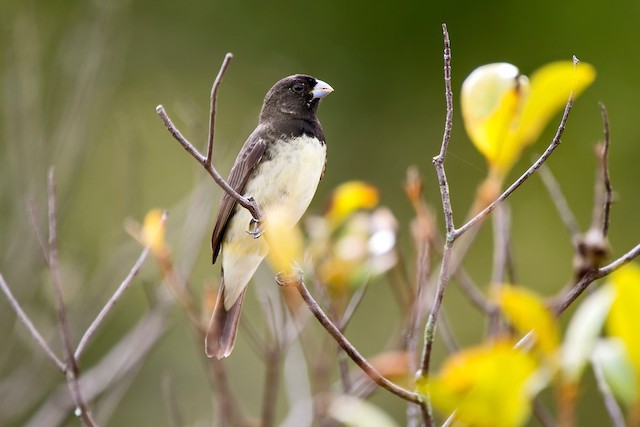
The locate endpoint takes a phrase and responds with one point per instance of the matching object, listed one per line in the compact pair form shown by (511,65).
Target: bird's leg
(255,225)
(255,228)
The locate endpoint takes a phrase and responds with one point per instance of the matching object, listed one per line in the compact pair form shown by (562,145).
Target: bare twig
(560,201)
(615,413)
(168,392)
(37,337)
(212,107)
(604,159)
(273,365)
(438,162)
(120,362)
(501,226)
(566,300)
(542,414)
(246,202)
(63,324)
(555,142)
(36,231)
(114,298)
(351,350)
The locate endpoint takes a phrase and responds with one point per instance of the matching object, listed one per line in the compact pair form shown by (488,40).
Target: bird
(280,165)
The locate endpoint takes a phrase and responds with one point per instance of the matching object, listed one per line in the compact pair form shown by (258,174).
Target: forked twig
(351,351)
(30,326)
(114,298)
(63,323)
(591,276)
(206,162)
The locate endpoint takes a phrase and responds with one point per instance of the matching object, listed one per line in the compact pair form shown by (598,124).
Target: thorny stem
(63,323)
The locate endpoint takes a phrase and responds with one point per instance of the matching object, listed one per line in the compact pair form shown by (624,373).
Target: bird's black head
(295,97)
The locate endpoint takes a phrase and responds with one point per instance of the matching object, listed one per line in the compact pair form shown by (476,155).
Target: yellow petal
(285,240)
(153,232)
(350,197)
(549,91)
(624,317)
(527,312)
(489,385)
(491,98)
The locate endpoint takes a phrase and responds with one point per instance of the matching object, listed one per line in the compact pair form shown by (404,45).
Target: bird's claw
(255,228)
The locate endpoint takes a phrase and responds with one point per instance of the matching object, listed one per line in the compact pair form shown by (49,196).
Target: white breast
(288,179)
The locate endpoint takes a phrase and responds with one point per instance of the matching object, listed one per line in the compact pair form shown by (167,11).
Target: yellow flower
(527,312)
(491,385)
(350,197)
(286,244)
(504,111)
(153,232)
(624,317)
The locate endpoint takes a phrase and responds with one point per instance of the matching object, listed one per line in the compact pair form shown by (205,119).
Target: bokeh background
(80,81)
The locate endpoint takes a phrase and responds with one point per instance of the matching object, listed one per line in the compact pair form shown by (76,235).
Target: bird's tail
(223,327)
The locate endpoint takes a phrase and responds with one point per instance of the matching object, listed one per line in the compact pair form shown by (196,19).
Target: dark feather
(223,327)
(245,163)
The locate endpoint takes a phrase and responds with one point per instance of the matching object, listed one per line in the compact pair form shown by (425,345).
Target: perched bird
(280,165)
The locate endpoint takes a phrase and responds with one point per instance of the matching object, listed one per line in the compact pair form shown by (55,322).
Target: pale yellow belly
(289,179)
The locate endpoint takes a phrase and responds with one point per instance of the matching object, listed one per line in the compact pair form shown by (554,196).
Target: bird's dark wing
(245,163)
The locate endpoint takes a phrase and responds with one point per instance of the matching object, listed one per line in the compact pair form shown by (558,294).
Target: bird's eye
(298,87)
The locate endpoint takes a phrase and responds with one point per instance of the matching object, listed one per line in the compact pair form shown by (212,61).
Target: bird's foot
(255,228)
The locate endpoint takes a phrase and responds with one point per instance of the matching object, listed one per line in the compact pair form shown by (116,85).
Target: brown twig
(212,107)
(37,337)
(567,299)
(114,299)
(438,162)
(351,351)
(557,196)
(613,409)
(168,393)
(604,159)
(555,142)
(63,323)
(206,162)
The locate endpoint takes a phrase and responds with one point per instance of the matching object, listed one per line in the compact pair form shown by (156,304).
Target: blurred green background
(80,81)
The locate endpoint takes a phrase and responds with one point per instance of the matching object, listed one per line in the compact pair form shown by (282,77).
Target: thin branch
(114,298)
(246,202)
(168,393)
(542,414)
(615,413)
(30,326)
(36,231)
(604,158)
(557,196)
(591,276)
(212,108)
(63,323)
(273,366)
(438,161)
(555,142)
(351,351)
